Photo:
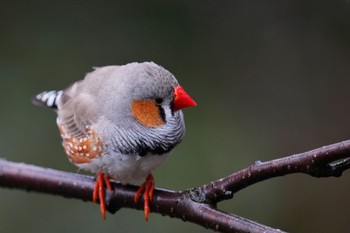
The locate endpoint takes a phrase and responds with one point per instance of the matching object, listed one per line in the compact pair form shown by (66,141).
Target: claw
(102,181)
(147,188)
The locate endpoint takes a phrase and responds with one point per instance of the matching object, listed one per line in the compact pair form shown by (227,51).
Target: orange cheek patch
(147,113)
(81,149)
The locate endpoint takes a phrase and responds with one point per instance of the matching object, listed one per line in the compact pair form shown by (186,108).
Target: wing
(77,110)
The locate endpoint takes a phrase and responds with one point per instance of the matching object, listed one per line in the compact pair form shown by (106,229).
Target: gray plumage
(102,101)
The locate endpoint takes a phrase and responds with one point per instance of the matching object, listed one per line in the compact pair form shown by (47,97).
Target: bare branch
(170,203)
(321,162)
(197,205)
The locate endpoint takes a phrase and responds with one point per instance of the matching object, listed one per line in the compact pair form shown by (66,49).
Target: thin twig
(321,162)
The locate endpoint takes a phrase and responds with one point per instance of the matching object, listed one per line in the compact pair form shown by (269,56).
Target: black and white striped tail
(48,99)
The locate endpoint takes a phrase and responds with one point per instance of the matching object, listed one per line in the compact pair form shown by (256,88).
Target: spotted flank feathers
(48,99)
(82,149)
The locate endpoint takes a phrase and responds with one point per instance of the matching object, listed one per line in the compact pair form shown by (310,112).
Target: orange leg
(99,192)
(147,188)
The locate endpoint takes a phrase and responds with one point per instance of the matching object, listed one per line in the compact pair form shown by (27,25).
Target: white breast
(125,168)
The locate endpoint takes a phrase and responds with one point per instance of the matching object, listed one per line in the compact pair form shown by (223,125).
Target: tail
(48,99)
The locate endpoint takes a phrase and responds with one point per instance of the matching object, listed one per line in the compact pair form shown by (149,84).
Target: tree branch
(197,205)
(320,162)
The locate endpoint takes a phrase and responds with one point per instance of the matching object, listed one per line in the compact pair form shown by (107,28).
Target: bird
(120,122)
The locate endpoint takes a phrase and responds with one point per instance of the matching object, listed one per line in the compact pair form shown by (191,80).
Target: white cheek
(167,112)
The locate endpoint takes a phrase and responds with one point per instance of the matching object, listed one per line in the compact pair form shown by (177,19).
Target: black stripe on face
(162,113)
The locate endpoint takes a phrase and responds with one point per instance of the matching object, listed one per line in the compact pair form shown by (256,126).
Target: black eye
(159,101)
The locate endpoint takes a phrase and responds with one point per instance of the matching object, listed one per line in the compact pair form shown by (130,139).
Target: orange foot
(102,181)
(147,188)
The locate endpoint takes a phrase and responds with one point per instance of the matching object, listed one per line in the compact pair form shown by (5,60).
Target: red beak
(182,99)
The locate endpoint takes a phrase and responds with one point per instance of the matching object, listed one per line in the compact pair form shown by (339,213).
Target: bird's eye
(159,101)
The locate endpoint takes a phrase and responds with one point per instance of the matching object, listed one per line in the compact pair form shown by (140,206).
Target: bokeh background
(272,78)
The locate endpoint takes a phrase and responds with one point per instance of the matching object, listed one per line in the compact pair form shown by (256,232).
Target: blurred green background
(271,79)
